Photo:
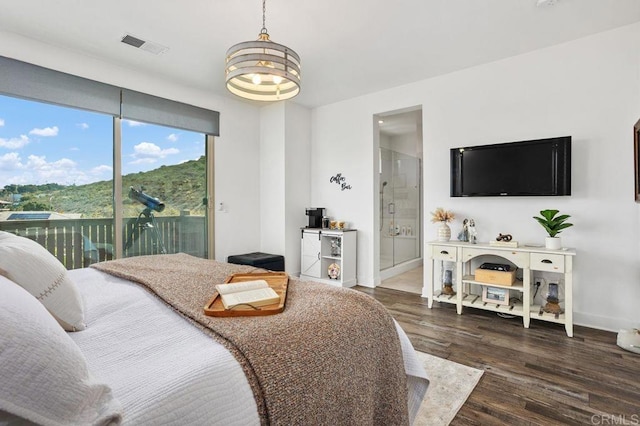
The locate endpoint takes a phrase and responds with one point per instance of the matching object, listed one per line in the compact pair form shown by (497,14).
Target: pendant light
(262,70)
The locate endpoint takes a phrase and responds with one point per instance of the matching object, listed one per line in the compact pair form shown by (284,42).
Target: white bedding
(133,342)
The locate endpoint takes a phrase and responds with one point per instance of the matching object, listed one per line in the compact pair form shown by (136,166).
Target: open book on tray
(244,297)
(254,293)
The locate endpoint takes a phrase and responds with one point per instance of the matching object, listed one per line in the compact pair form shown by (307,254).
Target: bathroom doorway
(399,206)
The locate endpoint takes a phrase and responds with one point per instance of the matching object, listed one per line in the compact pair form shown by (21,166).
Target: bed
(136,359)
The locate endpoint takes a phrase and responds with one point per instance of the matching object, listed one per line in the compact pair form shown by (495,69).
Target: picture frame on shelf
(636,159)
(499,296)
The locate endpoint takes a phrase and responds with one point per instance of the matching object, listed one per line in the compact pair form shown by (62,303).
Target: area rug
(450,384)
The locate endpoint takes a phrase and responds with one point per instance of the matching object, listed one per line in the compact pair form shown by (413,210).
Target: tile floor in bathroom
(410,281)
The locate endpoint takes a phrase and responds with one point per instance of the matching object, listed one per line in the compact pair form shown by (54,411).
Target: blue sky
(43,143)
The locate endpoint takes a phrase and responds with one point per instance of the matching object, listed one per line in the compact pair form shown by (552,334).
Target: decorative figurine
(473,234)
(504,240)
(463,235)
(336,247)
(504,237)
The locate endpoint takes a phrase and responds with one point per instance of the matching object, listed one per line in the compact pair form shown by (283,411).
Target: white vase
(444,232)
(553,243)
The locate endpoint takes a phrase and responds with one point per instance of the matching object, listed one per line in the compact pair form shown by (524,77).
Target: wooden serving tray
(276,280)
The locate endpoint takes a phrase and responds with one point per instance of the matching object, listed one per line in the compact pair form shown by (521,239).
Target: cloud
(143,161)
(83,126)
(147,152)
(37,170)
(9,161)
(132,123)
(14,143)
(37,162)
(1,122)
(173,137)
(47,131)
(101,170)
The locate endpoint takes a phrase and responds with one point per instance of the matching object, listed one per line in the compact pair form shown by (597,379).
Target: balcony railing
(77,243)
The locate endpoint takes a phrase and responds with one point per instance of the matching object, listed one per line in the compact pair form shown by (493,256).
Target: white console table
(526,258)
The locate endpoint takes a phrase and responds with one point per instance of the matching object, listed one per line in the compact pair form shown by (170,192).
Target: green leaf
(553,225)
(548,214)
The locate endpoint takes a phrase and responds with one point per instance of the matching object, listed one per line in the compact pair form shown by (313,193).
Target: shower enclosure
(399,208)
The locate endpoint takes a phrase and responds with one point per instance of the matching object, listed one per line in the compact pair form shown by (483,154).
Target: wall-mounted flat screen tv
(539,167)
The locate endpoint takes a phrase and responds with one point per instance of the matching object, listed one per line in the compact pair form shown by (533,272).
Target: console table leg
(459,286)
(568,296)
(430,285)
(569,328)
(526,297)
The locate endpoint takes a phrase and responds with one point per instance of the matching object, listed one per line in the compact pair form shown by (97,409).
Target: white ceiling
(348,47)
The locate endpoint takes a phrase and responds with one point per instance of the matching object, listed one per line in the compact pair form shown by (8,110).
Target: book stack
(494,243)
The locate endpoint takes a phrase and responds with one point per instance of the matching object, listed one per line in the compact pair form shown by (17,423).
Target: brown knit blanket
(333,357)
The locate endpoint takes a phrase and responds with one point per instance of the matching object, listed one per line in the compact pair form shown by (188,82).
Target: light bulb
(256,79)
(277,79)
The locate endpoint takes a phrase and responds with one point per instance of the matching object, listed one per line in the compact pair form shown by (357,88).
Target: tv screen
(539,167)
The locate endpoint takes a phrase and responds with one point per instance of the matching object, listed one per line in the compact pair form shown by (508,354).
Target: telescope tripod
(148,222)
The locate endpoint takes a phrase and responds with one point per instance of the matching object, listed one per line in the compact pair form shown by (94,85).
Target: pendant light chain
(264,19)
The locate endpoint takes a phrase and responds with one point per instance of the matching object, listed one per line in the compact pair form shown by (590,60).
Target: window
(55,179)
(163,187)
(93,181)
(56,183)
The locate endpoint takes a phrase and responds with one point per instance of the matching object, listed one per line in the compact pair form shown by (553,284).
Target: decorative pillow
(44,375)
(31,266)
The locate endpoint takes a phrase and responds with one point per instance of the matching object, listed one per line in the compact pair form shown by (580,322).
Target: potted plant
(443,216)
(553,225)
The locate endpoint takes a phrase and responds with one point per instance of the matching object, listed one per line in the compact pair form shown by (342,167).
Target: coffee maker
(315,216)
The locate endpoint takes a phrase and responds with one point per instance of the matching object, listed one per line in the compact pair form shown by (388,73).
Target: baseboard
(603,323)
(400,269)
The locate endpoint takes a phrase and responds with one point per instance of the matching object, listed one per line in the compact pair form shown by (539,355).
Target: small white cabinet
(528,260)
(329,256)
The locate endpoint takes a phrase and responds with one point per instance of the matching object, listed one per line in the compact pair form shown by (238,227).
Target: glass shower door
(399,208)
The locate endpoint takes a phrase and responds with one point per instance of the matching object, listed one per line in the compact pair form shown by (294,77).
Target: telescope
(149,201)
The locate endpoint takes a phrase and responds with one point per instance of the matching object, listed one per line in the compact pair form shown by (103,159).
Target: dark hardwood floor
(535,376)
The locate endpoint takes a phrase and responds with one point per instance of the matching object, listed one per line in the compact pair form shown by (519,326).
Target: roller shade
(152,109)
(24,80)
(28,81)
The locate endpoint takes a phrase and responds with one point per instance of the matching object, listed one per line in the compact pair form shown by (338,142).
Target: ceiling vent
(148,46)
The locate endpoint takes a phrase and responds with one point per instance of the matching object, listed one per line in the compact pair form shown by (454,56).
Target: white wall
(272,179)
(342,142)
(236,151)
(285,141)
(587,89)
(408,143)
(297,180)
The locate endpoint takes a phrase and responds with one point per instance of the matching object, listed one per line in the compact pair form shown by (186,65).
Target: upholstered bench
(272,262)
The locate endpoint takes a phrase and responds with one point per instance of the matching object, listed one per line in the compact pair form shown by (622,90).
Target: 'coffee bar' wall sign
(340,180)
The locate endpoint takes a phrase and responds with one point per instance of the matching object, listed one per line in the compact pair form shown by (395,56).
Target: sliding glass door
(57,172)
(163,185)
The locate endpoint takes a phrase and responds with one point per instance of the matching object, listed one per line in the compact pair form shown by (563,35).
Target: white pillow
(44,375)
(31,266)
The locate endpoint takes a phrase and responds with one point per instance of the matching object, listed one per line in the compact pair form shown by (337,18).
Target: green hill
(180,187)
